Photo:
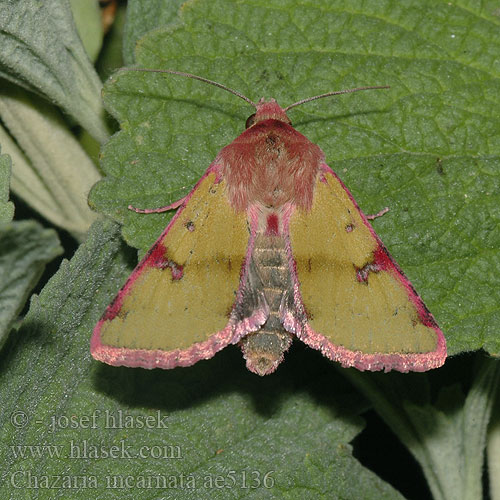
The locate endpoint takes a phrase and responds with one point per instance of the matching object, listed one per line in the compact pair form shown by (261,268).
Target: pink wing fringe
(121,356)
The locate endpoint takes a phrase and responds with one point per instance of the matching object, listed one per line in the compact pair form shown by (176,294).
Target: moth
(269,245)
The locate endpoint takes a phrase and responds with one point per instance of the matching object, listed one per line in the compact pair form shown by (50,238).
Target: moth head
(267,110)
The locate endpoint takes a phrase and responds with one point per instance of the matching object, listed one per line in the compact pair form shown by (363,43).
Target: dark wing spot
(439,166)
(363,272)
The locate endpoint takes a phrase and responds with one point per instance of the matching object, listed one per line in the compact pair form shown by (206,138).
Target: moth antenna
(194,77)
(337,92)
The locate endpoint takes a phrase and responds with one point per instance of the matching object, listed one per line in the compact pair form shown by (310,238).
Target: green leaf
(212,420)
(111,56)
(42,52)
(87,18)
(6,206)
(25,248)
(448,439)
(494,451)
(428,148)
(143,17)
(51,172)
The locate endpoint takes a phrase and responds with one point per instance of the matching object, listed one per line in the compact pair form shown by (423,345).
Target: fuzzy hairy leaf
(145,16)
(446,436)
(42,52)
(428,148)
(215,428)
(87,17)
(6,206)
(51,172)
(25,248)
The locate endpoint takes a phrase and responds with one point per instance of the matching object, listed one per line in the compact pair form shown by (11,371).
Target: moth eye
(250,121)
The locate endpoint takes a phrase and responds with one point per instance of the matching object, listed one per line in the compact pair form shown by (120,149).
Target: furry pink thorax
(270,163)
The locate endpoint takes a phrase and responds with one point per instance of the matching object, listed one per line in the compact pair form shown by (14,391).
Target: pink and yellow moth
(269,245)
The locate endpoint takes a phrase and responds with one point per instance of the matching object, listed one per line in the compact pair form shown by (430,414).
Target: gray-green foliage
(25,248)
(428,149)
(45,61)
(6,206)
(42,52)
(216,419)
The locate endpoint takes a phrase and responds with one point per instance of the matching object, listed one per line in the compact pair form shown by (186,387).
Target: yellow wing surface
(361,310)
(175,307)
